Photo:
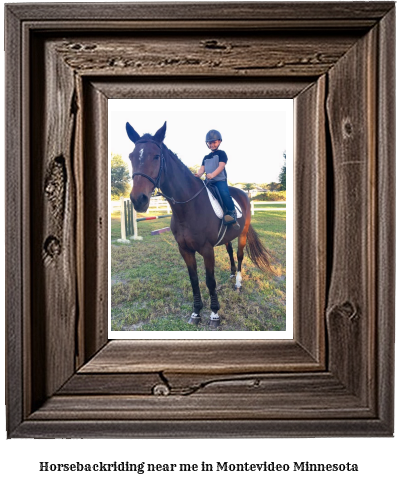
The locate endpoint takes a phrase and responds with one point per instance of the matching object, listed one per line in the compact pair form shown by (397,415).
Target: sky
(255,132)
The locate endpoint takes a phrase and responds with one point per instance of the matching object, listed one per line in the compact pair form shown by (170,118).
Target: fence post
(135,231)
(252,208)
(123,223)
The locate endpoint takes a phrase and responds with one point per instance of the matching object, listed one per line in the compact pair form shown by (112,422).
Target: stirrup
(236,225)
(230,218)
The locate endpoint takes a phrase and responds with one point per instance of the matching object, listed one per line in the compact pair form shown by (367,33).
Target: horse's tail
(256,251)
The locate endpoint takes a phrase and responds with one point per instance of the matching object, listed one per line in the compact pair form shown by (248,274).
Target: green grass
(268,205)
(151,290)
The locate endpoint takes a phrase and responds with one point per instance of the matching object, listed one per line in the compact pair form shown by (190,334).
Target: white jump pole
(135,235)
(123,223)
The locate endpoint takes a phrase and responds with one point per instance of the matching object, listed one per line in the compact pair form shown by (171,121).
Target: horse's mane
(176,159)
(171,154)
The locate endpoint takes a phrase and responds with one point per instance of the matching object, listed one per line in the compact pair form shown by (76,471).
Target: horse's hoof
(214,319)
(214,323)
(238,288)
(194,319)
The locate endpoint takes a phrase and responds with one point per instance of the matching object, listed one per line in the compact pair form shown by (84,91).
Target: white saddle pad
(218,209)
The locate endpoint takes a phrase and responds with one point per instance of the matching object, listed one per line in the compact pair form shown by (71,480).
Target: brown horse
(194,224)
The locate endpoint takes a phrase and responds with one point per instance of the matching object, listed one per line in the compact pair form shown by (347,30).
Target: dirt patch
(136,327)
(116,280)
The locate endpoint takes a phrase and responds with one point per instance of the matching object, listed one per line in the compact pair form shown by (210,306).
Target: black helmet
(213,135)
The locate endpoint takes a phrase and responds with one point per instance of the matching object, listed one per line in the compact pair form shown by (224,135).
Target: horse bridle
(155,182)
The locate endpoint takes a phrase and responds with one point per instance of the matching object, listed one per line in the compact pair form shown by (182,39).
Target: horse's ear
(132,134)
(160,135)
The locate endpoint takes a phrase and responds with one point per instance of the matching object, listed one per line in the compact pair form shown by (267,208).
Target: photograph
(200,218)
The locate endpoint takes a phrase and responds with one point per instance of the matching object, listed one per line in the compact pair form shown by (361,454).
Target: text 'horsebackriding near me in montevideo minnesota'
(194,223)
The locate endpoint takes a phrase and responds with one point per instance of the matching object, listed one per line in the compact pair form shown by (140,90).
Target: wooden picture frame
(335,378)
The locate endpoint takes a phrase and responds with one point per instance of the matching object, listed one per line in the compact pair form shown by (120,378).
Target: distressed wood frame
(64,378)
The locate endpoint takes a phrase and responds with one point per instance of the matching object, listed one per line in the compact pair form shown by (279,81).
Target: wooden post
(130,225)
(123,238)
(135,235)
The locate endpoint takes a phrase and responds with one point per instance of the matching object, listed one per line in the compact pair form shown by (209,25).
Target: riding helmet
(213,135)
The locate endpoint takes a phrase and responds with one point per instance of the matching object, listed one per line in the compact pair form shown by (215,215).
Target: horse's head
(146,161)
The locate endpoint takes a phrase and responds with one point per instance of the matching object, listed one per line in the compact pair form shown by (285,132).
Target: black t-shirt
(211,163)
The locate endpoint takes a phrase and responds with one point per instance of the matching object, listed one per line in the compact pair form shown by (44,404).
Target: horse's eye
(156,157)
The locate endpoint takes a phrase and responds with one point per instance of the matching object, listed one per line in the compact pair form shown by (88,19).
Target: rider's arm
(200,171)
(217,171)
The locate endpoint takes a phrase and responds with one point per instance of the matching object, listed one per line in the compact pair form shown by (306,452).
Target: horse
(194,224)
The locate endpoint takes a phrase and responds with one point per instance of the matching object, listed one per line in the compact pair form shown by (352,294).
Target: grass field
(151,289)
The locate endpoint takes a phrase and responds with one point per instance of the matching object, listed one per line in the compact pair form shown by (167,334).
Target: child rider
(214,165)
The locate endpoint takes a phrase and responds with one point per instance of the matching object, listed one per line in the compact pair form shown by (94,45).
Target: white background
(377,458)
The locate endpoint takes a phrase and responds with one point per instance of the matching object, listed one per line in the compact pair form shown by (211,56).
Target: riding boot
(230,218)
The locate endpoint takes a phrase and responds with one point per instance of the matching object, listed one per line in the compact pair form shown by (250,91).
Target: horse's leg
(209,260)
(242,241)
(229,249)
(191,263)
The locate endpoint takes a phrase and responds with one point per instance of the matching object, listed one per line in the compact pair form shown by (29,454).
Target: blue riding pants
(225,194)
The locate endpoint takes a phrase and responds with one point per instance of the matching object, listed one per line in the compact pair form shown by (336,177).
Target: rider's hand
(210,176)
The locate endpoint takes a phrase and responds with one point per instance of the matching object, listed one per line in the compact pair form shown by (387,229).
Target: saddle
(217,202)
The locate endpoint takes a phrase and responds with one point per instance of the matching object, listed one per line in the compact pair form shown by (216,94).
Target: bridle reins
(162,167)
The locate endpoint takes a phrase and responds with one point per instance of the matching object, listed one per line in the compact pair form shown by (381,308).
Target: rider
(214,165)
